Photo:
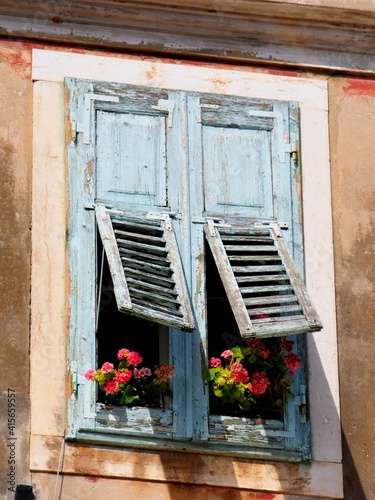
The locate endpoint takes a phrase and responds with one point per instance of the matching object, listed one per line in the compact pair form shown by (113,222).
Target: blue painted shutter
(266,293)
(242,149)
(247,175)
(145,266)
(130,130)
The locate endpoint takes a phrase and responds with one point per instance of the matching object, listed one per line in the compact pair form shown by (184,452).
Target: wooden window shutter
(145,266)
(265,291)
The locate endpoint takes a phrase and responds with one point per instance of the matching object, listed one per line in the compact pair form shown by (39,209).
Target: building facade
(195,84)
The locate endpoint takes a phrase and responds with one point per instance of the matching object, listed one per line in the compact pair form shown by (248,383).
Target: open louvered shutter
(264,289)
(146,268)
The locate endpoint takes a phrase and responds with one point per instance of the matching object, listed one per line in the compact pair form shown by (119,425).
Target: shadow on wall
(352,484)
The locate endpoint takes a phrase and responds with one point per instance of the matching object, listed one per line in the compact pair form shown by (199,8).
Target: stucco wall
(15,219)
(352,136)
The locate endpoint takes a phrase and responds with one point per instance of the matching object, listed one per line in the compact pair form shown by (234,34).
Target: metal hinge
(292,149)
(300,400)
(294,154)
(74,377)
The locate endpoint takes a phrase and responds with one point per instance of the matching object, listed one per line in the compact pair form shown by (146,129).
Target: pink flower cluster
(259,383)
(226,354)
(239,373)
(107,367)
(214,362)
(132,357)
(142,372)
(111,387)
(293,362)
(123,376)
(90,374)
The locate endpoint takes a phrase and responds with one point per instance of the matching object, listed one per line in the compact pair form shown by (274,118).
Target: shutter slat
(150,275)
(140,255)
(253,239)
(273,299)
(150,286)
(145,237)
(257,269)
(262,289)
(283,302)
(156,309)
(250,258)
(262,277)
(142,246)
(146,266)
(250,248)
(274,310)
(157,298)
(149,278)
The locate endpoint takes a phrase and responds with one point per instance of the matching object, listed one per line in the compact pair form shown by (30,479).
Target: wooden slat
(274,310)
(149,278)
(257,269)
(275,296)
(273,299)
(150,286)
(262,277)
(148,267)
(139,236)
(250,248)
(149,259)
(158,312)
(158,298)
(263,289)
(142,246)
(246,238)
(249,258)
(140,255)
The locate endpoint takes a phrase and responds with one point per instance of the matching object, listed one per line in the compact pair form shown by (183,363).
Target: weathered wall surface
(352,135)
(15,215)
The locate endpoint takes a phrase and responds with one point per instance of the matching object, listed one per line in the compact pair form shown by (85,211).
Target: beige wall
(15,219)
(352,135)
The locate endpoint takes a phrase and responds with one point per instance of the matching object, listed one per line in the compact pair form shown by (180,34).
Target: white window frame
(49,297)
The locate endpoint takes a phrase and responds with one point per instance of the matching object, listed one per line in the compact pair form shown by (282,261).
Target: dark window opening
(117,330)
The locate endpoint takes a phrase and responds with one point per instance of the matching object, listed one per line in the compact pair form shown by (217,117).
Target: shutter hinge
(301,401)
(292,149)
(294,154)
(74,377)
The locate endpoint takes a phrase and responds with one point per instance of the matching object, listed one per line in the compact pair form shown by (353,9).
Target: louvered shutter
(145,266)
(265,291)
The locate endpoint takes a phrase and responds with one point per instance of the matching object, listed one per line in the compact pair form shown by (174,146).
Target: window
(209,183)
